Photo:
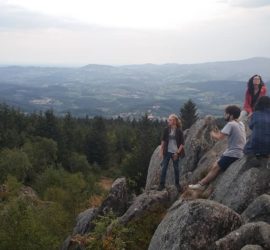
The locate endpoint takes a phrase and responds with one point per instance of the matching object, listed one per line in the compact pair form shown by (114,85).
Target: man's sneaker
(160,187)
(197,186)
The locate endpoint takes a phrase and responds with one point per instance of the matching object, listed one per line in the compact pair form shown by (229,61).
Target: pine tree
(188,114)
(97,143)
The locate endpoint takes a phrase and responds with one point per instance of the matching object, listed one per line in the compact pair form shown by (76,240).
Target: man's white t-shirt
(236,138)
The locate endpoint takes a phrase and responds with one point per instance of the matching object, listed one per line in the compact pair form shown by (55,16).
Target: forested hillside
(131,90)
(50,168)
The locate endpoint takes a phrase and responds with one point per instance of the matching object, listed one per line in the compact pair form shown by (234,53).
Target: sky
(119,32)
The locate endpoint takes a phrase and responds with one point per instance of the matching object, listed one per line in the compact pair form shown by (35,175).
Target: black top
(178,136)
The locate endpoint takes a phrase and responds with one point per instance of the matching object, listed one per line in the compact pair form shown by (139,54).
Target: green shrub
(27,227)
(136,235)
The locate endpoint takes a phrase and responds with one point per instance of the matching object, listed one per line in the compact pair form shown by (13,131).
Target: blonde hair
(177,120)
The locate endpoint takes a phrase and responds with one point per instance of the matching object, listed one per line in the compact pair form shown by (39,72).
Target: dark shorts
(225,161)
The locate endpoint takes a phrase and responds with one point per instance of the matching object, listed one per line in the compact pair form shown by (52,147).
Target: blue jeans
(165,164)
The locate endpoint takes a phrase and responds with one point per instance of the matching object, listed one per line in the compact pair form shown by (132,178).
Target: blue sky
(120,32)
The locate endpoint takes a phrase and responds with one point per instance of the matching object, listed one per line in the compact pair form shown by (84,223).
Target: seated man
(235,131)
(259,142)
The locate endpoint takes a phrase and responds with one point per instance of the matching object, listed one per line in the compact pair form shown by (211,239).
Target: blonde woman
(171,148)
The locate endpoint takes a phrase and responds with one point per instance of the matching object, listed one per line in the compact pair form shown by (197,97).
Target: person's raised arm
(217,135)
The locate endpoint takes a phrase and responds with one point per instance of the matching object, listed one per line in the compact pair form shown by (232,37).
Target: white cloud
(249,3)
(229,33)
(159,14)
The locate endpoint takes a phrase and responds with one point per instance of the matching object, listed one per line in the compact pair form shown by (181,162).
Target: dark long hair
(251,89)
(263,103)
(251,86)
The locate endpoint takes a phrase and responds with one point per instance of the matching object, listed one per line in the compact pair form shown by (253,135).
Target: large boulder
(149,201)
(252,233)
(154,171)
(252,247)
(84,224)
(258,210)
(197,143)
(194,225)
(117,199)
(84,221)
(241,183)
(208,161)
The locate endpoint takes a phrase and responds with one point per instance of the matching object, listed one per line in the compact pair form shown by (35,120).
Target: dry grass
(190,194)
(96,200)
(105,183)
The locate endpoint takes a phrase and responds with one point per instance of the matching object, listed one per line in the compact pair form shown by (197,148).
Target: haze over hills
(129,90)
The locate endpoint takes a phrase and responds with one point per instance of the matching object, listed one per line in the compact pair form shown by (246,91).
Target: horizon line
(80,65)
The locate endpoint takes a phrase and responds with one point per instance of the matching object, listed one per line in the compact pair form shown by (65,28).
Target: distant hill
(129,90)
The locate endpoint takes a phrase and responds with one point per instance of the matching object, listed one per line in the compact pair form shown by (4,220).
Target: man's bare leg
(212,174)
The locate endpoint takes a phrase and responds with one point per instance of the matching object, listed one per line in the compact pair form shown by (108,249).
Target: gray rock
(154,171)
(208,161)
(241,183)
(194,225)
(116,202)
(252,247)
(149,201)
(84,221)
(197,143)
(66,243)
(76,246)
(84,224)
(71,244)
(117,199)
(252,233)
(258,210)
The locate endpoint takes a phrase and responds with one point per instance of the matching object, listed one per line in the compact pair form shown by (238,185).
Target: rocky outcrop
(117,199)
(251,233)
(258,210)
(154,170)
(149,201)
(84,221)
(197,143)
(194,225)
(241,183)
(243,187)
(207,161)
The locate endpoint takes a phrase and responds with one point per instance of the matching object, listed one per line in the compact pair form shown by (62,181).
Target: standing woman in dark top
(255,89)
(171,148)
